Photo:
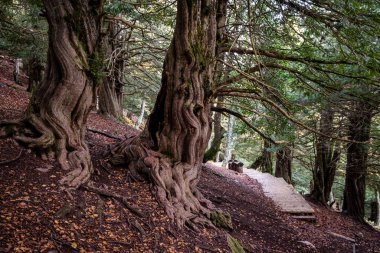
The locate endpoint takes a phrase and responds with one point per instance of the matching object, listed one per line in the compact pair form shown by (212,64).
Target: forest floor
(37,216)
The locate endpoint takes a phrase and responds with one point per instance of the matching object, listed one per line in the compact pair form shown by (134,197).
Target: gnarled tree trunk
(357,154)
(326,160)
(284,164)
(171,147)
(221,40)
(57,113)
(111,90)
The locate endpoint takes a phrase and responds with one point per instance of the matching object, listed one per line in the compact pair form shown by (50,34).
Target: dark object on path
(235,165)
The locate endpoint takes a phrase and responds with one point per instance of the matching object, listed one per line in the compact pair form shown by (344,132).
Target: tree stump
(235,165)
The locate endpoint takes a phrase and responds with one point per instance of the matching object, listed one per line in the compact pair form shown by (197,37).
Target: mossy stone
(222,220)
(234,245)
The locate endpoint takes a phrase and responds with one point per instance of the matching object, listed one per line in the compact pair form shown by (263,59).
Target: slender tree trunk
(326,160)
(377,221)
(357,153)
(111,91)
(141,117)
(219,133)
(16,71)
(171,147)
(284,164)
(56,117)
(230,140)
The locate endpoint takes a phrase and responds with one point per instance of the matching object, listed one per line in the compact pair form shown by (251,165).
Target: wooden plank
(283,194)
(305,217)
(341,236)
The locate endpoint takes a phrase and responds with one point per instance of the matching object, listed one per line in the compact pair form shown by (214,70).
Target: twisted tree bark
(170,149)
(56,116)
(326,160)
(357,155)
(221,40)
(111,90)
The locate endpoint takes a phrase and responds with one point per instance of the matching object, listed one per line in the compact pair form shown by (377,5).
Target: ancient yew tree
(359,128)
(111,90)
(55,119)
(171,147)
(327,158)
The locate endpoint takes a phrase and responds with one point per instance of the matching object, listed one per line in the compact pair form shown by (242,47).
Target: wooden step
(310,218)
(283,194)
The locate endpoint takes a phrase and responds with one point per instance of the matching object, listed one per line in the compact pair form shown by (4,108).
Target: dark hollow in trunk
(56,117)
(326,160)
(357,153)
(171,147)
(284,164)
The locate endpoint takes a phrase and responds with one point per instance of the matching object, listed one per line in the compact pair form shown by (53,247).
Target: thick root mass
(174,182)
(34,134)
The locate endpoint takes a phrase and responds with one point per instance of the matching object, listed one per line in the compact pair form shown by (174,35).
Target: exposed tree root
(72,153)
(116,196)
(174,183)
(103,133)
(12,160)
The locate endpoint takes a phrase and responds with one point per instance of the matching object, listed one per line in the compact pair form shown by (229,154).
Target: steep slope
(37,216)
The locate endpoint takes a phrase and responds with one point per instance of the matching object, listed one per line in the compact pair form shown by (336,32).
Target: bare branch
(123,21)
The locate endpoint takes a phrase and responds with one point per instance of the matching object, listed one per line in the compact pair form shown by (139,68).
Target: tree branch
(103,133)
(118,197)
(124,22)
(279,56)
(287,115)
(242,118)
(12,160)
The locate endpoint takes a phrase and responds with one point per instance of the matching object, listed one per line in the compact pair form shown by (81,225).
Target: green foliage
(23,32)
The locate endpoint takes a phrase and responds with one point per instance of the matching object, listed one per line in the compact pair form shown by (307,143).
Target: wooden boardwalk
(283,194)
